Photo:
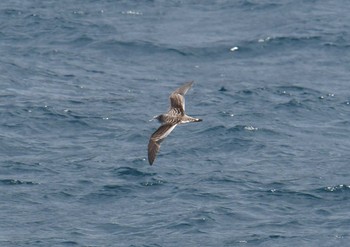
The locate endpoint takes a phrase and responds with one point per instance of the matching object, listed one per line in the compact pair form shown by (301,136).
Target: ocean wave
(147,48)
(337,188)
(338,192)
(16,182)
(129,171)
(141,46)
(270,45)
(294,194)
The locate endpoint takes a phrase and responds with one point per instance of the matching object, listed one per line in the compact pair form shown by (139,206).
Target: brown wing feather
(183,89)
(153,149)
(177,102)
(156,138)
(177,99)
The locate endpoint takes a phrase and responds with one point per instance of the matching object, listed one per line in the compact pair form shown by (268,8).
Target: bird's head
(159,118)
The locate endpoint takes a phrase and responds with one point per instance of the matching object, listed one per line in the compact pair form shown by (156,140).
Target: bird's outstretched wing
(177,99)
(156,138)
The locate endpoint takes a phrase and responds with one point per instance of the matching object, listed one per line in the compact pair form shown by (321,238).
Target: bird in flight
(175,115)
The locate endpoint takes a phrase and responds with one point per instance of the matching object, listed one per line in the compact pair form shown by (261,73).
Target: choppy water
(269,166)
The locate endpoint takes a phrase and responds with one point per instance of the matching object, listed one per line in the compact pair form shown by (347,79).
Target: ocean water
(268,166)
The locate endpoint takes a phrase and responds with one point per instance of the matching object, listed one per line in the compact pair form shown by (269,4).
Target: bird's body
(175,116)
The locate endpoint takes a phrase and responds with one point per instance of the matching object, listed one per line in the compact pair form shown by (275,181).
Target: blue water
(268,166)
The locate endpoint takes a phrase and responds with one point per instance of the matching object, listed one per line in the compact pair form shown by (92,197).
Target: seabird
(175,115)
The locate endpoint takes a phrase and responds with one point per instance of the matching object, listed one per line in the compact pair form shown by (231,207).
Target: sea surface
(268,166)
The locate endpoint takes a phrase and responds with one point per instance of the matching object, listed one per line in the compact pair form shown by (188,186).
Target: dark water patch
(16,182)
(63,196)
(113,190)
(297,97)
(323,212)
(251,5)
(265,100)
(261,239)
(199,194)
(296,90)
(342,123)
(76,101)
(251,92)
(10,12)
(6,96)
(197,220)
(115,228)
(293,196)
(66,194)
(139,47)
(253,95)
(48,116)
(340,45)
(292,105)
(81,41)
(130,182)
(296,105)
(48,111)
(70,243)
(135,46)
(181,226)
(133,172)
(85,182)
(222,89)
(17,167)
(317,105)
(330,193)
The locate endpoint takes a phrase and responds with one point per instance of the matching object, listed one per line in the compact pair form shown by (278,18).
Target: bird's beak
(153,118)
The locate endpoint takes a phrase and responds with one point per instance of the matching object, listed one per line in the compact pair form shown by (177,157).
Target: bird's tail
(189,119)
(196,120)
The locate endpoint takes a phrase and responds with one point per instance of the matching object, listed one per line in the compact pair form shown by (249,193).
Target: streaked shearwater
(176,115)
